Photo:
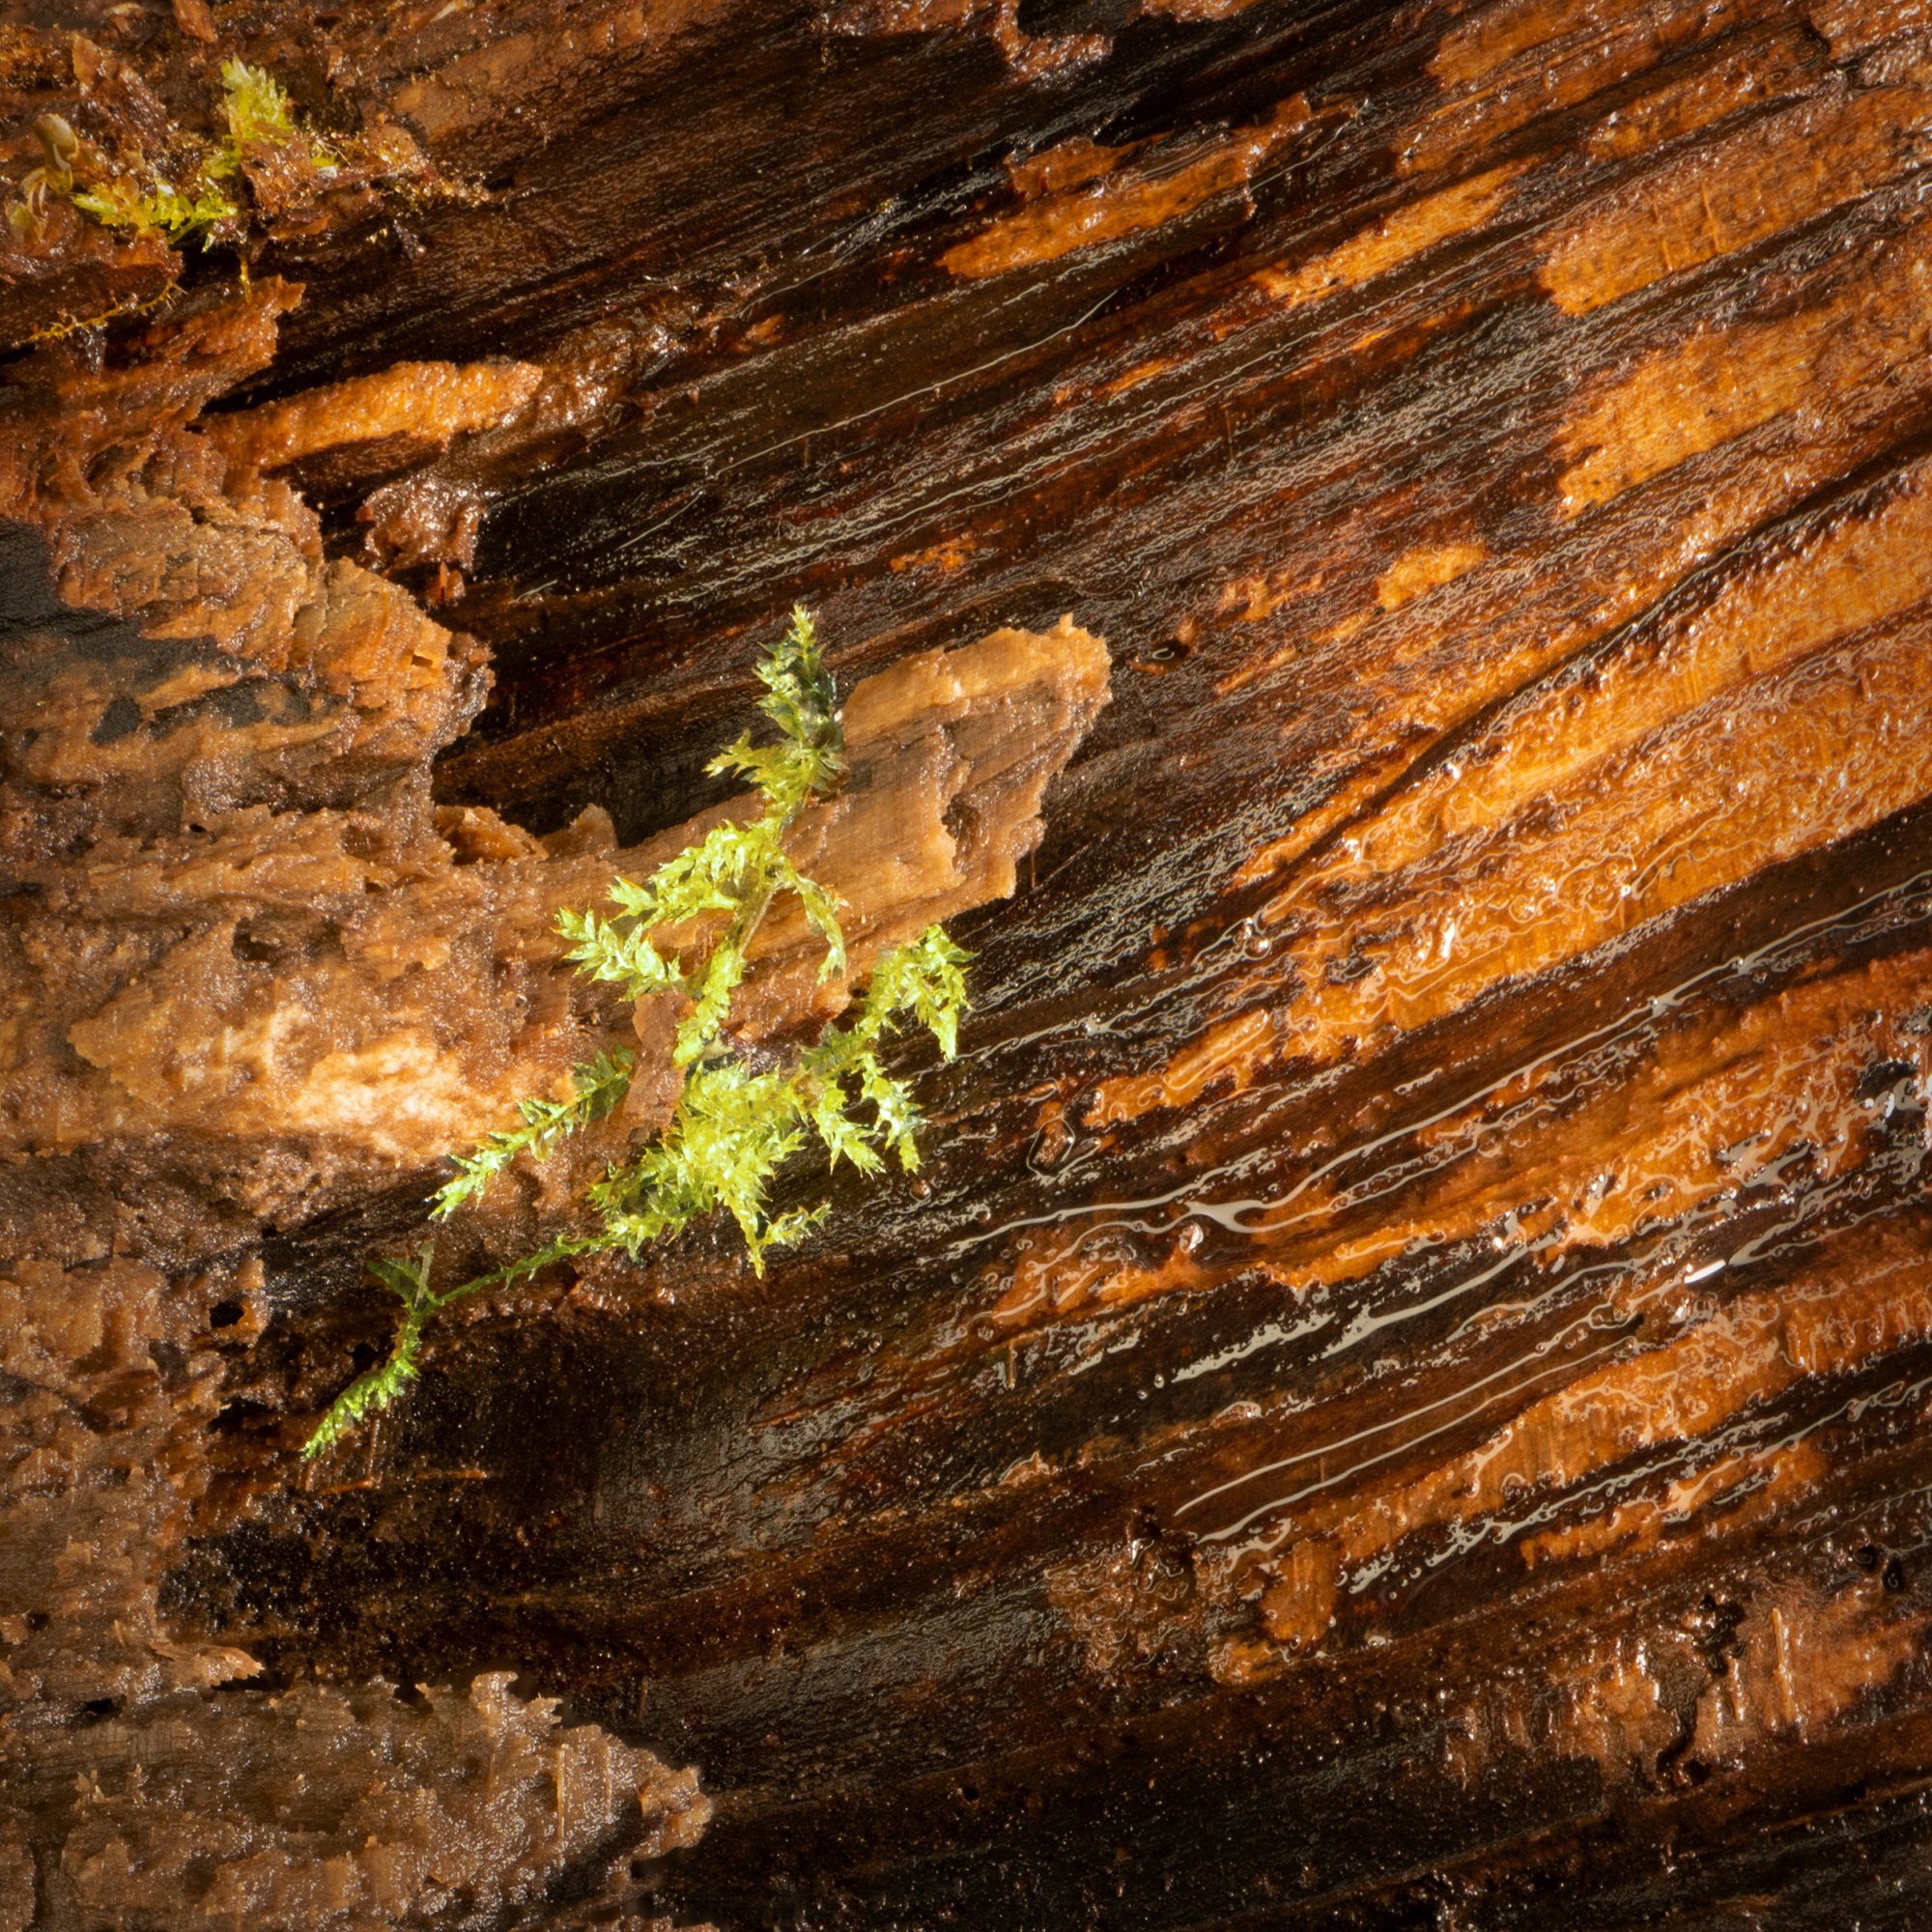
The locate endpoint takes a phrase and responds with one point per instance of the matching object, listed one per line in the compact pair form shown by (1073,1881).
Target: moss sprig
(734,1126)
(157,207)
(406,1277)
(256,107)
(599,1087)
(266,162)
(256,114)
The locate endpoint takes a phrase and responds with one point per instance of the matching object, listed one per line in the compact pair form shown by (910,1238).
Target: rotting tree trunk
(1400,1396)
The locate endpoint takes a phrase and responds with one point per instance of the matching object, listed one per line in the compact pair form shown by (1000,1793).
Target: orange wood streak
(1347,803)
(420,401)
(1720,1101)
(1058,1275)
(1396,238)
(1512,63)
(1417,571)
(1757,72)
(1678,403)
(1232,1050)
(1747,1487)
(1732,193)
(1122,202)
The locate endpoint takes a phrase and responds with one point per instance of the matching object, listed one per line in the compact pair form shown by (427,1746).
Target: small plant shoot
(733,1125)
(211,190)
(257,115)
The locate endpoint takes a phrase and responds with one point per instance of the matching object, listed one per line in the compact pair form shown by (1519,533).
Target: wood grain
(1399,1398)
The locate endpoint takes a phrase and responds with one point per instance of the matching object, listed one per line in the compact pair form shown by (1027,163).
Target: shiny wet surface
(1400,1397)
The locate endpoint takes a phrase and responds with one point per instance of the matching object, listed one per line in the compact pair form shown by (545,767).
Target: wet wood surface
(1399,1398)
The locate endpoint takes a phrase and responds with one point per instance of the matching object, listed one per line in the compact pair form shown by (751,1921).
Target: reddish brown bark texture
(1400,1398)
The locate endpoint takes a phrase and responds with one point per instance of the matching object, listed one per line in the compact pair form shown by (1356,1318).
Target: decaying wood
(245,929)
(1400,1396)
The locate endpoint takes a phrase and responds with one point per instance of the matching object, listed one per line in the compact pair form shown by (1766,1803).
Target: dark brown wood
(1399,1397)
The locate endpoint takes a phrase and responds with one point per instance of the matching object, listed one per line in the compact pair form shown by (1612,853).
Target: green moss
(157,208)
(373,1391)
(257,115)
(255,107)
(734,1126)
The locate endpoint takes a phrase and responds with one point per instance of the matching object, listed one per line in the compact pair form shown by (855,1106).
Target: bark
(1399,1396)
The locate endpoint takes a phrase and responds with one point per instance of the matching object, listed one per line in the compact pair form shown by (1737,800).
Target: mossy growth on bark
(265,166)
(734,1126)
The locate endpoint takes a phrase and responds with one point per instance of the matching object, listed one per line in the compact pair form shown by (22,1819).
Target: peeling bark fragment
(430,1812)
(192,1795)
(413,410)
(297,966)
